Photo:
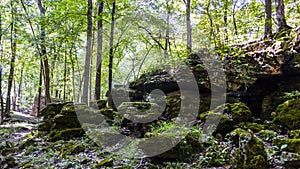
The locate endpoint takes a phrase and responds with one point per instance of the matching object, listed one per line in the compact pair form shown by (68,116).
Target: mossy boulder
(67,118)
(71,148)
(180,148)
(249,152)
(288,114)
(294,134)
(290,145)
(255,127)
(51,110)
(65,134)
(229,114)
(140,111)
(267,135)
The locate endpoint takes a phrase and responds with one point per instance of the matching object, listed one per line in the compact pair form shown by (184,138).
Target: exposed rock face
(255,72)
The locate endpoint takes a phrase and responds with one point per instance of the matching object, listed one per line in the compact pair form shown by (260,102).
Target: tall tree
(1,54)
(280,16)
(111,46)
(13,47)
(188,25)
(226,4)
(43,53)
(268,18)
(86,74)
(99,51)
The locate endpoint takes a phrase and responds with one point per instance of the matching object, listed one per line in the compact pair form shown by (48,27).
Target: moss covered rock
(230,115)
(290,145)
(294,134)
(288,114)
(267,135)
(249,152)
(65,134)
(71,148)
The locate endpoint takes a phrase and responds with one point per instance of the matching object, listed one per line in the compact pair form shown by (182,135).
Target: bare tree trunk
(43,54)
(99,51)
(268,18)
(233,18)
(20,83)
(12,61)
(111,52)
(40,87)
(167,40)
(225,20)
(111,45)
(86,75)
(188,26)
(65,74)
(14,99)
(280,16)
(1,55)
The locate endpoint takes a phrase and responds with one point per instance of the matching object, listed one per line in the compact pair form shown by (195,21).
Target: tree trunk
(40,88)
(225,20)
(280,16)
(167,40)
(99,51)
(188,26)
(20,83)
(43,54)
(111,47)
(86,74)
(12,62)
(65,74)
(111,53)
(233,18)
(14,99)
(268,18)
(1,55)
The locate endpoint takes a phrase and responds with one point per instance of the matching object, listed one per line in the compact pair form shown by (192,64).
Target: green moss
(71,148)
(51,110)
(267,135)
(291,145)
(65,134)
(288,114)
(230,115)
(258,162)
(255,127)
(106,162)
(250,152)
(294,134)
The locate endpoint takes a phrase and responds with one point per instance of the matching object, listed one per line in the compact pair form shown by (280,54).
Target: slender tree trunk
(14,99)
(1,55)
(99,51)
(65,74)
(188,26)
(43,54)
(20,84)
(225,20)
(86,75)
(167,40)
(12,62)
(280,15)
(212,32)
(233,18)
(111,47)
(268,18)
(40,87)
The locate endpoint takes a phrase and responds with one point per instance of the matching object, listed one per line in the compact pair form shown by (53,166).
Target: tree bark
(233,18)
(225,20)
(188,26)
(43,54)
(111,47)
(12,62)
(167,38)
(86,74)
(99,51)
(1,54)
(280,16)
(268,18)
